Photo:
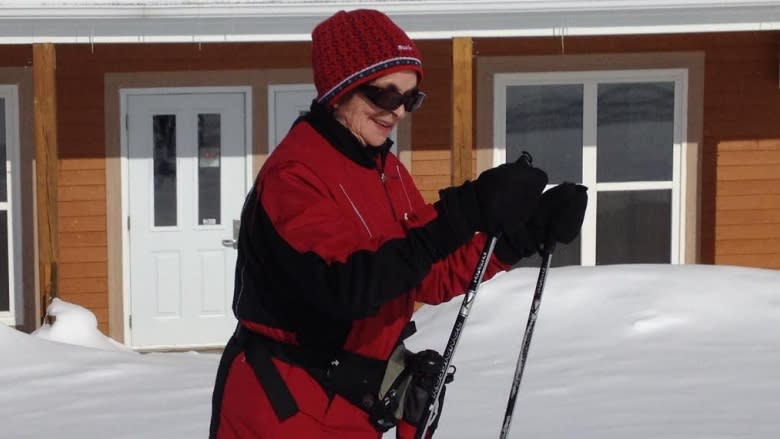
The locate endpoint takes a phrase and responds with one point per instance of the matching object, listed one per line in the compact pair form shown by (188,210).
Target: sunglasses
(390,99)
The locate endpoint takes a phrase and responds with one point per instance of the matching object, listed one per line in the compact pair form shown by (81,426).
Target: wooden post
(462,108)
(46,168)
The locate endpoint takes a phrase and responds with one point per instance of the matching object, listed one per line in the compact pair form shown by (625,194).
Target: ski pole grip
(548,247)
(526,159)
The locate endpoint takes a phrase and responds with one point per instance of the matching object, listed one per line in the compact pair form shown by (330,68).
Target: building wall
(15,55)
(740,173)
(432,124)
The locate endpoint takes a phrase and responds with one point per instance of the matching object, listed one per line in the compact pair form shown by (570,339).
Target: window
(286,102)
(617,132)
(10,255)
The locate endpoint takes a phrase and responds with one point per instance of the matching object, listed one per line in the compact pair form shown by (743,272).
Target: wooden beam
(462,108)
(46,169)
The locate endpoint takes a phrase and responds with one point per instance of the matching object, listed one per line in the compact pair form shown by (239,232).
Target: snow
(76,325)
(632,351)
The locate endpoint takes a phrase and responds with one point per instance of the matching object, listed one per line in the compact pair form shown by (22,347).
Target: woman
(337,245)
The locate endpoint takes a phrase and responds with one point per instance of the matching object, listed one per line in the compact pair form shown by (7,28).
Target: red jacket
(337,245)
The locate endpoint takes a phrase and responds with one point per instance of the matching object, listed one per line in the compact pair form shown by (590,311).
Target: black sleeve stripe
(359,286)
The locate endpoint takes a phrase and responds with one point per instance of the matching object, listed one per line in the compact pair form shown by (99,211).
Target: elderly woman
(337,244)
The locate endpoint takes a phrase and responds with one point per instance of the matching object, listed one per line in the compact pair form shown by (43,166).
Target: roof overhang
(74,21)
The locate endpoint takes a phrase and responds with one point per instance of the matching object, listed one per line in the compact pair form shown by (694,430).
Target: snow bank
(76,325)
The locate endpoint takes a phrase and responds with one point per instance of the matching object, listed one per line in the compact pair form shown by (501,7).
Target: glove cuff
(460,206)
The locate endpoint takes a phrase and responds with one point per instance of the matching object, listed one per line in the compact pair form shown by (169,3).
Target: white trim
(589,231)
(124,163)
(29,37)
(196,21)
(635,185)
(124,93)
(681,161)
(10,93)
(590,81)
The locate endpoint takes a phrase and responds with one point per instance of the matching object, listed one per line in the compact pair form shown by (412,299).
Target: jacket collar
(340,138)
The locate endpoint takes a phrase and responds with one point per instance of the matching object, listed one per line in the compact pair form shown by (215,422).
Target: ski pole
(457,329)
(547,251)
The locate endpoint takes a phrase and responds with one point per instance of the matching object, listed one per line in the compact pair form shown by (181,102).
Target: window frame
(10,95)
(589,80)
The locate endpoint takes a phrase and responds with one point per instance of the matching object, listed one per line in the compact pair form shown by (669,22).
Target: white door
(187,182)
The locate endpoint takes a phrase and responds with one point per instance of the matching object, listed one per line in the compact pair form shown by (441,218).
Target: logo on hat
(405,47)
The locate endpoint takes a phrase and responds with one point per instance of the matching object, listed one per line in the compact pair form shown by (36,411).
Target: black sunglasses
(390,99)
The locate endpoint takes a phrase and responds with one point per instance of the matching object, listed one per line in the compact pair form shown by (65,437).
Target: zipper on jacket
(383,179)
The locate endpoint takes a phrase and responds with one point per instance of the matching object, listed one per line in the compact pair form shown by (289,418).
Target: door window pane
(3,155)
(164,170)
(4,278)
(209,153)
(633,227)
(546,120)
(635,131)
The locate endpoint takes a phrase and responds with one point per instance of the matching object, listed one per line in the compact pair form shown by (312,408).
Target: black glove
(499,198)
(425,367)
(558,218)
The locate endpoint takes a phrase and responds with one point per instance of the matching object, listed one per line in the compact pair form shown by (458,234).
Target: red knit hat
(355,47)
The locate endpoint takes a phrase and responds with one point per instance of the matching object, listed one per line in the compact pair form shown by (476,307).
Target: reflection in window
(635,131)
(546,120)
(634,227)
(164,162)
(209,183)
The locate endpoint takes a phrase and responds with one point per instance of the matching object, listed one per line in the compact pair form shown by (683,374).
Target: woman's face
(369,123)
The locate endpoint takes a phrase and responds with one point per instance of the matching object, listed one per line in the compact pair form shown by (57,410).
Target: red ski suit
(330,259)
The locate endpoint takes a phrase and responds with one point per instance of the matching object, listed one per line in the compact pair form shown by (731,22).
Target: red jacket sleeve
(452,275)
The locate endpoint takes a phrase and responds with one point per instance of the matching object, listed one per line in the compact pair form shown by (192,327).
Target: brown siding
(740,168)
(747,228)
(432,124)
(15,55)
(82,234)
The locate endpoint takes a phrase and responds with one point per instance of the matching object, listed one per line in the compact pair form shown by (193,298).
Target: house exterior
(131,130)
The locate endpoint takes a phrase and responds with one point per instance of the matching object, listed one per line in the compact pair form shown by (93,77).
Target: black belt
(354,377)
(259,358)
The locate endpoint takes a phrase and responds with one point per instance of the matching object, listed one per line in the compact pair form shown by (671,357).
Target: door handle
(233,242)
